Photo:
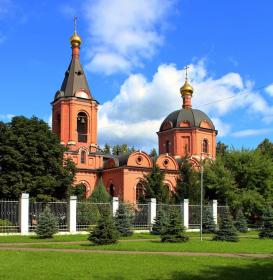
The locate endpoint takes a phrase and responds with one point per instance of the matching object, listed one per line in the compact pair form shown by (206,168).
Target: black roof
(193,116)
(74,80)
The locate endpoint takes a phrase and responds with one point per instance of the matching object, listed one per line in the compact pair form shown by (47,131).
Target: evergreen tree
(105,231)
(159,222)
(153,153)
(209,225)
(173,231)
(227,231)
(47,224)
(106,149)
(267,228)
(123,220)
(100,195)
(241,222)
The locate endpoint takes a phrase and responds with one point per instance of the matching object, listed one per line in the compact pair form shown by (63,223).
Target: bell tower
(74,116)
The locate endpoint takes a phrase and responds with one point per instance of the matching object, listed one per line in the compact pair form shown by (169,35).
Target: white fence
(75,216)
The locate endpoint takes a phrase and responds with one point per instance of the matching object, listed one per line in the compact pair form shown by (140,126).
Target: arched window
(205,146)
(82,124)
(140,192)
(167,146)
(83,156)
(59,125)
(112,190)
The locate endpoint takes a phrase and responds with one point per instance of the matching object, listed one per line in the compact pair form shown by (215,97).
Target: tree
(79,190)
(267,228)
(173,231)
(153,153)
(266,148)
(122,149)
(221,149)
(241,222)
(159,222)
(209,225)
(47,224)
(32,160)
(123,220)
(154,185)
(227,231)
(106,149)
(100,195)
(105,231)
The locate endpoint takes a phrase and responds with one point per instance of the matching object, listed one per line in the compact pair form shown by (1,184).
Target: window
(82,123)
(83,156)
(167,146)
(205,146)
(140,192)
(112,190)
(59,125)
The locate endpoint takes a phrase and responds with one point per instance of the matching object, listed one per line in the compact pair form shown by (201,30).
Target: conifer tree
(159,222)
(100,195)
(173,231)
(105,231)
(241,222)
(123,220)
(47,224)
(267,228)
(209,225)
(227,231)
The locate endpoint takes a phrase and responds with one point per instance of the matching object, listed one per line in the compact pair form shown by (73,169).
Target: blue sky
(133,53)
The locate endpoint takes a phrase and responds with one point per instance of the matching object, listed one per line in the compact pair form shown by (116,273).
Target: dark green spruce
(241,222)
(267,228)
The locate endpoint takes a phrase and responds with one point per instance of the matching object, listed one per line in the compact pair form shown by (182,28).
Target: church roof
(191,116)
(74,81)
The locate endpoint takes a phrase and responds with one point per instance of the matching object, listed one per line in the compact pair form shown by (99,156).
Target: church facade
(184,132)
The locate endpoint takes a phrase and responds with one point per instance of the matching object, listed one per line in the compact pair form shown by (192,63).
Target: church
(184,132)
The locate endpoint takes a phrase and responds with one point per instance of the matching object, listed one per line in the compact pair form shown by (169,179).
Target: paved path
(192,254)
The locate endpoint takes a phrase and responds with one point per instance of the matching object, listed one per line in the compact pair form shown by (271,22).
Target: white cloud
(269,90)
(135,114)
(124,32)
(6,117)
(252,132)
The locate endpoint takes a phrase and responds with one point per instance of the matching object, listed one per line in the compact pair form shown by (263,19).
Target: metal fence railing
(59,210)
(195,214)
(89,213)
(166,208)
(9,216)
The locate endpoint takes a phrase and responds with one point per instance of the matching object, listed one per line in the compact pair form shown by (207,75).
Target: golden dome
(186,88)
(75,40)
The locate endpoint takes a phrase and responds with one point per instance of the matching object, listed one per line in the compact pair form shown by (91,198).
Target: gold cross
(75,24)
(186,71)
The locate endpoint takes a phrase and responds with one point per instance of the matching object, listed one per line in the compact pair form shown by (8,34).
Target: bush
(47,224)
(87,213)
(159,223)
(241,222)
(100,195)
(227,231)
(123,220)
(267,228)
(105,231)
(209,225)
(173,231)
(6,226)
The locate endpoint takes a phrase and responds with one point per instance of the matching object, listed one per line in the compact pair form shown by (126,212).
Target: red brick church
(185,131)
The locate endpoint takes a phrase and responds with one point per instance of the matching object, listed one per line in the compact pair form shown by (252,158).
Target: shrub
(160,222)
(267,228)
(105,231)
(123,220)
(227,231)
(100,195)
(209,225)
(173,231)
(47,224)
(6,226)
(241,222)
(87,213)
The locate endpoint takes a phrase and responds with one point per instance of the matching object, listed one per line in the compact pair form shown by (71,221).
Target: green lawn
(57,265)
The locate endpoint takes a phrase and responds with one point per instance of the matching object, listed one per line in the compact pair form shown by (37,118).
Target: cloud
(269,90)
(135,114)
(252,132)
(6,117)
(123,33)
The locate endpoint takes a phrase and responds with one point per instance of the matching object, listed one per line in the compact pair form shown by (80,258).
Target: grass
(250,245)
(59,265)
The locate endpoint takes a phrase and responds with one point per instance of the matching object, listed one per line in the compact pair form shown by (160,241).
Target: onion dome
(186,89)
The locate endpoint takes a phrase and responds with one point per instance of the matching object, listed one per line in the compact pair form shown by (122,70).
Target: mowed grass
(61,265)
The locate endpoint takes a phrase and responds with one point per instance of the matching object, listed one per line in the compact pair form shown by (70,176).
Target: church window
(59,124)
(140,192)
(82,122)
(167,146)
(205,146)
(112,190)
(83,157)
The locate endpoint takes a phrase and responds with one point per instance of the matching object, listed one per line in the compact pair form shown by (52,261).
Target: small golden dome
(186,88)
(75,40)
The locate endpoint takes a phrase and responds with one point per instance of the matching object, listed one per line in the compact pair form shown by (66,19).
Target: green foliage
(173,231)
(153,153)
(122,149)
(209,225)
(105,231)
(154,185)
(31,160)
(79,190)
(6,226)
(241,222)
(266,148)
(160,222)
(106,149)
(87,213)
(123,220)
(227,231)
(100,195)
(47,224)
(267,228)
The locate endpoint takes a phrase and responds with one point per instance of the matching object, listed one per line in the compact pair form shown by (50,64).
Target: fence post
(186,213)
(152,212)
(72,214)
(214,210)
(24,213)
(115,205)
